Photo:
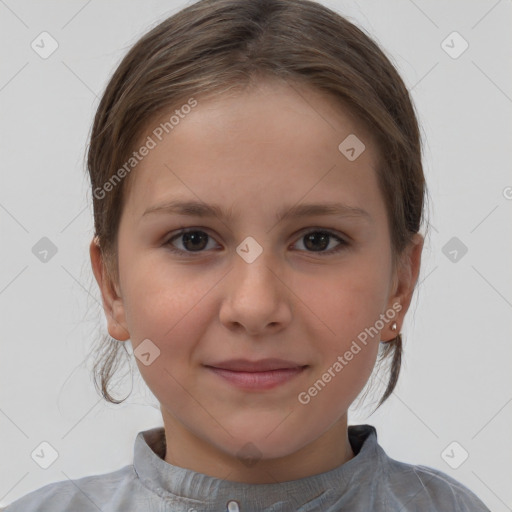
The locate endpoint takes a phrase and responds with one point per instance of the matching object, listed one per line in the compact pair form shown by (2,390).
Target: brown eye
(191,241)
(319,241)
(195,241)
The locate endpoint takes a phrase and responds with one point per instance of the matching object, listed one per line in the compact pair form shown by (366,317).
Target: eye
(196,241)
(319,240)
(193,240)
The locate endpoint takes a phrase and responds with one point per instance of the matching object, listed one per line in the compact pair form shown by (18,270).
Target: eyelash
(343,243)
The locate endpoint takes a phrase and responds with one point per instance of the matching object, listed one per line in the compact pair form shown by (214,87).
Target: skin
(255,152)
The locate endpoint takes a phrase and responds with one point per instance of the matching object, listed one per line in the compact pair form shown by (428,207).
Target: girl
(258,193)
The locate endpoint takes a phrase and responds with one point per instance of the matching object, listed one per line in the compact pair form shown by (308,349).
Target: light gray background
(455,383)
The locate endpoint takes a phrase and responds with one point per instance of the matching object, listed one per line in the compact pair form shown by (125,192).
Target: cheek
(168,309)
(348,306)
(160,297)
(347,301)
(172,307)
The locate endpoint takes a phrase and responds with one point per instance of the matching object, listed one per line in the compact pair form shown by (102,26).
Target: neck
(186,450)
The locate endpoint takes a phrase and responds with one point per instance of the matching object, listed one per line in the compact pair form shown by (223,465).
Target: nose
(256,296)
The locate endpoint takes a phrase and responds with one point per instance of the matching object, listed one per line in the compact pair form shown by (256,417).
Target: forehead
(253,147)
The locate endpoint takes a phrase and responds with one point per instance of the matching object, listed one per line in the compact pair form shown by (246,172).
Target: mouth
(257,375)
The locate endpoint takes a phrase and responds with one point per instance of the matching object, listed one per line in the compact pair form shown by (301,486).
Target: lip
(262,365)
(257,375)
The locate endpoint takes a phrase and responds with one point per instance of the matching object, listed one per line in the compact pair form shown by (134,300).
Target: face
(249,283)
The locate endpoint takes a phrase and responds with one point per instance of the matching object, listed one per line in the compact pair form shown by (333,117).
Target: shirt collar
(181,485)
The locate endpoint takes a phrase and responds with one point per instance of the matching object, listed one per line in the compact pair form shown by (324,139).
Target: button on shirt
(370,481)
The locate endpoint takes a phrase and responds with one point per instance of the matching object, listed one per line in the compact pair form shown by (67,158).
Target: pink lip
(263,365)
(264,374)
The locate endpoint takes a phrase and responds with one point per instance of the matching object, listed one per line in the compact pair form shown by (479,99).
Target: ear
(112,301)
(404,281)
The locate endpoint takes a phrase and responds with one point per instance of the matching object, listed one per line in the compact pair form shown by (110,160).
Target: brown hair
(213,46)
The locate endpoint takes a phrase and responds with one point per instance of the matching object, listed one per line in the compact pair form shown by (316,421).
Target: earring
(394,327)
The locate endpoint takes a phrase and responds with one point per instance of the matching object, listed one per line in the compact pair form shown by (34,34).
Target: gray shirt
(370,481)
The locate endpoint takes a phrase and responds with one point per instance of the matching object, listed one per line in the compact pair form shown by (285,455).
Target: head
(243,104)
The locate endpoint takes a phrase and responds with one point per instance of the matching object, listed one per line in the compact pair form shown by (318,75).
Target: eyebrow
(199,209)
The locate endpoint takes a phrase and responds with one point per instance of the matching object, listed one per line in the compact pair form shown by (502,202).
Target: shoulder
(422,488)
(390,484)
(84,494)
